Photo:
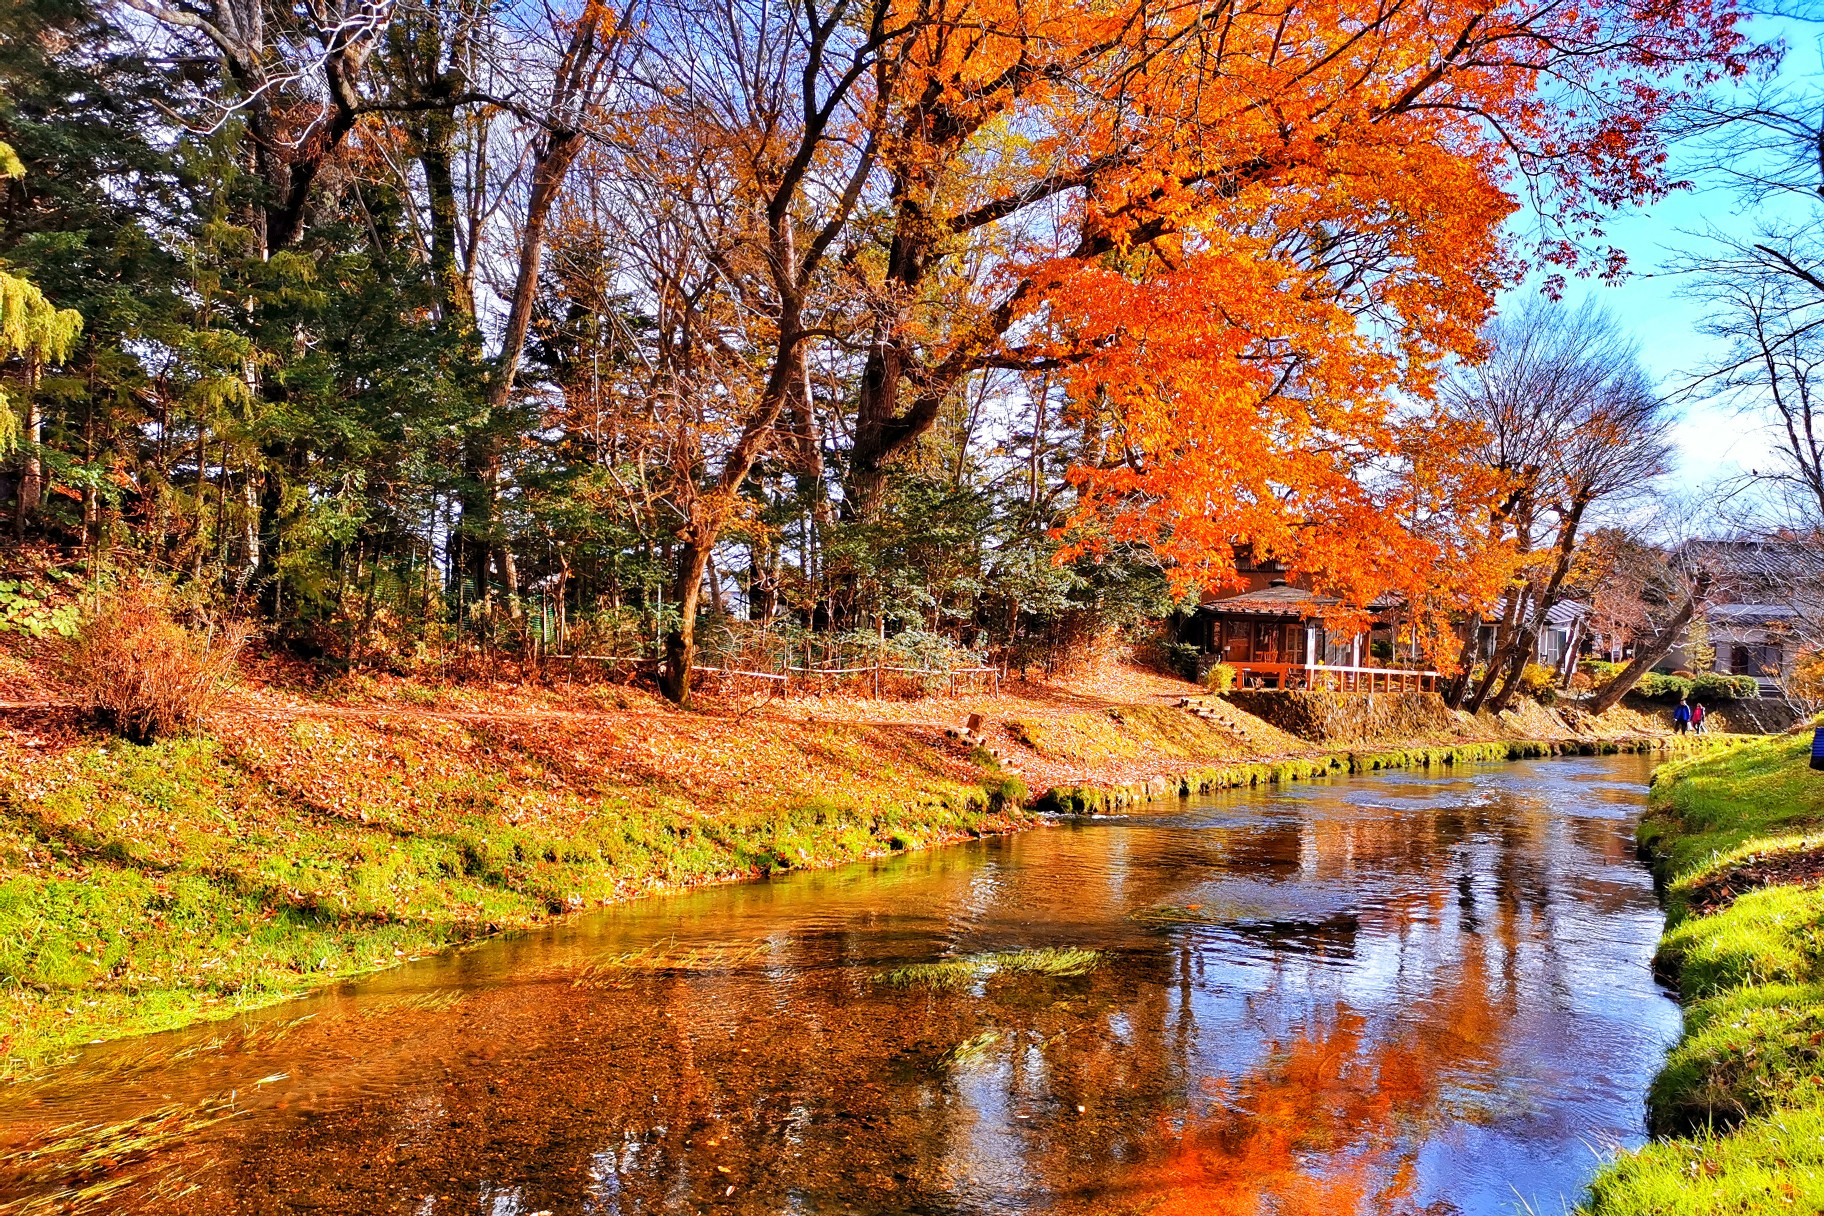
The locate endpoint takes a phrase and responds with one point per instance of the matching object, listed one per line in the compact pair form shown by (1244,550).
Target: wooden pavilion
(1275,636)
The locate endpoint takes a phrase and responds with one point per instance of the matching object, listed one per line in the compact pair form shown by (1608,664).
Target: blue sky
(1714,441)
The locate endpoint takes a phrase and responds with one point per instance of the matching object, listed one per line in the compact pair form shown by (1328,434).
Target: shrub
(1715,686)
(35,610)
(1658,686)
(1220,677)
(143,674)
(1600,671)
(1807,680)
(1181,659)
(1005,792)
(1540,683)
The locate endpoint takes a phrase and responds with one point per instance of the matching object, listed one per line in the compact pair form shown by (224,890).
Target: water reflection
(1398,995)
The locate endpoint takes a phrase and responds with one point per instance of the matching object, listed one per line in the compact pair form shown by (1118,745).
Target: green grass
(1710,806)
(1771,936)
(1774,1163)
(1738,1110)
(143,888)
(1741,1055)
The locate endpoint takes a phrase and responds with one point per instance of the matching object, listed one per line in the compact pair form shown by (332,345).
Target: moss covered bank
(1736,841)
(146,887)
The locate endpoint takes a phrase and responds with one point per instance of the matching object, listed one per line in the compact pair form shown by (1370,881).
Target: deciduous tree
(1572,427)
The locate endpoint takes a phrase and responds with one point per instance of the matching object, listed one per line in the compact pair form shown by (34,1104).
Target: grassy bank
(1737,840)
(147,887)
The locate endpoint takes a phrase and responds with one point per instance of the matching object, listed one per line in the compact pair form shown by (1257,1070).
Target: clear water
(1401,994)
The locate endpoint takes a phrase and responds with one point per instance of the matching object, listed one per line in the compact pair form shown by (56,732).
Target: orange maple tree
(1249,233)
(1244,234)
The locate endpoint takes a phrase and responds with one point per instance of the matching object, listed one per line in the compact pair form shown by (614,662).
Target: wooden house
(1277,635)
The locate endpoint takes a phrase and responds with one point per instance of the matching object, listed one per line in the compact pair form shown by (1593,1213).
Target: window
(1266,641)
(1551,646)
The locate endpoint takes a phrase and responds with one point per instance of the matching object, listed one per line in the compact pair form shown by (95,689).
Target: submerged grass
(1739,1107)
(86,1167)
(955,972)
(972,1051)
(1219,913)
(669,958)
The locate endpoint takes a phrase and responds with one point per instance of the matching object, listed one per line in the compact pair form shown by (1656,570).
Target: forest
(763,333)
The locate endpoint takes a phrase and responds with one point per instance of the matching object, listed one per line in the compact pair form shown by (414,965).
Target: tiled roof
(1563,613)
(1566,612)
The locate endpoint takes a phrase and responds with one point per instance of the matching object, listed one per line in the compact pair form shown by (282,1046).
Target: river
(1405,993)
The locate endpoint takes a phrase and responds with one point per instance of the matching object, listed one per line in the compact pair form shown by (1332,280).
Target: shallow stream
(1394,994)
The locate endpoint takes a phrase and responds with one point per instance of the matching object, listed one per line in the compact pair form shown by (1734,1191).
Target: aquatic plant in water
(669,957)
(1054,961)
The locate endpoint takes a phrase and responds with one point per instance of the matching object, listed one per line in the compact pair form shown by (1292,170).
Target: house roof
(1280,599)
(1566,612)
(1750,614)
(1780,560)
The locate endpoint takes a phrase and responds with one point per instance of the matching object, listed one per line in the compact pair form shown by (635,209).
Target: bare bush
(144,674)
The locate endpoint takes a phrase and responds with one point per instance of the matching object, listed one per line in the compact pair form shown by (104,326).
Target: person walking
(1681,718)
(1697,718)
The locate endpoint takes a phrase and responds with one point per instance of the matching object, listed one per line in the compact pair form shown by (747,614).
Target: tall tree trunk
(1656,649)
(509,578)
(681,641)
(1466,659)
(271,527)
(715,586)
(31,478)
(250,530)
(1567,663)
(1498,658)
(1525,642)
(1526,650)
(485,460)
(434,158)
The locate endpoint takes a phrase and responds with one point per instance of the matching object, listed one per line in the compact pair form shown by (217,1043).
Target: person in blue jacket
(1681,717)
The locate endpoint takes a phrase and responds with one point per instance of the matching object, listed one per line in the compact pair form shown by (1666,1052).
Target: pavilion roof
(1281,599)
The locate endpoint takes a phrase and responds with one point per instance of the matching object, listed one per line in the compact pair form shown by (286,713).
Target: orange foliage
(1267,226)
(1245,235)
